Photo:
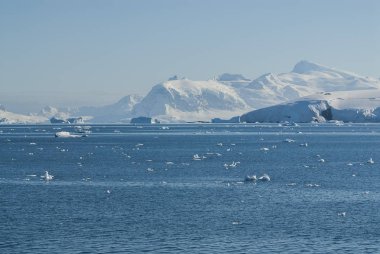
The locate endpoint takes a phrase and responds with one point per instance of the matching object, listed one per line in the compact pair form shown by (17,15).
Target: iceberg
(66,134)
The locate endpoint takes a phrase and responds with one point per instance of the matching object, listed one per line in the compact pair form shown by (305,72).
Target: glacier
(357,106)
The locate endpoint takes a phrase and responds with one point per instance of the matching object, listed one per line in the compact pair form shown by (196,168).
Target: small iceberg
(251,178)
(342,214)
(370,161)
(264,178)
(82,129)
(47,176)
(234,164)
(196,157)
(312,185)
(66,134)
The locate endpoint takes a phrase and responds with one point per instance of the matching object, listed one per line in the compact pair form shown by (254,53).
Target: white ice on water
(47,176)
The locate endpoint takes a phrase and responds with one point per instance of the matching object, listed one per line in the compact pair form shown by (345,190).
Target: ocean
(180,188)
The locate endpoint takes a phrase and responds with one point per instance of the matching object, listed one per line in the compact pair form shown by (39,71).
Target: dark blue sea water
(135,189)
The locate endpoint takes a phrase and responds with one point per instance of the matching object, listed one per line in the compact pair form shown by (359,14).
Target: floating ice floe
(321,160)
(304,145)
(47,176)
(312,185)
(234,164)
(264,149)
(342,214)
(66,134)
(82,129)
(288,140)
(264,178)
(251,178)
(196,157)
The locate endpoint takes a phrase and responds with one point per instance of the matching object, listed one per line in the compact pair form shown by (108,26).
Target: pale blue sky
(88,52)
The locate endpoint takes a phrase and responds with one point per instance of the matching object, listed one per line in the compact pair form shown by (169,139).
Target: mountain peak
(175,77)
(268,79)
(305,66)
(131,98)
(231,77)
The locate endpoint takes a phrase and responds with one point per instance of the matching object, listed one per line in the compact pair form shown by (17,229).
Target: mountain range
(225,96)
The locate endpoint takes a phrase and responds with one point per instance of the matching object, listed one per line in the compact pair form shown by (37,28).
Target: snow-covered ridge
(224,96)
(7,117)
(321,78)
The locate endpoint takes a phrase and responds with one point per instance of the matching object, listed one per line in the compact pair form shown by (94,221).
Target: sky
(91,52)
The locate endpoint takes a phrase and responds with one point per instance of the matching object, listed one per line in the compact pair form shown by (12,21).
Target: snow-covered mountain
(306,78)
(345,95)
(188,100)
(50,112)
(229,94)
(7,117)
(117,112)
(322,78)
(224,96)
(347,106)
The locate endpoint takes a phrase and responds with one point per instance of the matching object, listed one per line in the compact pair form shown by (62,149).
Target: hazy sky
(88,52)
